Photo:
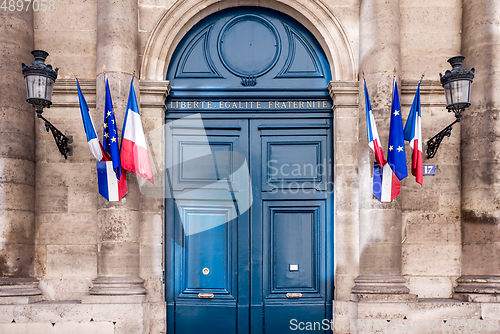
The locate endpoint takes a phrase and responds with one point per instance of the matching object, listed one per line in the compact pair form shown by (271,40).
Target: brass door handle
(206,295)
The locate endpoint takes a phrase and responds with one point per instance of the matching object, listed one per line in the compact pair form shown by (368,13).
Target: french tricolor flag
(373,138)
(134,150)
(386,185)
(94,143)
(108,170)
(110,187)
(413,134)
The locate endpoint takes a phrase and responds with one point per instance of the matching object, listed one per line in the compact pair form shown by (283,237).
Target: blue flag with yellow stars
(396,158)
(110,134)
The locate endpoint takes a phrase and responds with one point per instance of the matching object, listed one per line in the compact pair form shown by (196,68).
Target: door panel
(193,146)
(279,318)
(291,240)
(290,160)
(206,257)
(201,318)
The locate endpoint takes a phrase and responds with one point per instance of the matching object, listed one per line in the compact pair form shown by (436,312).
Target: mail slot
(206,295)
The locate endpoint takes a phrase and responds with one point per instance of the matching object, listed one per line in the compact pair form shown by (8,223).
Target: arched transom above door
(248,48)
(183,15)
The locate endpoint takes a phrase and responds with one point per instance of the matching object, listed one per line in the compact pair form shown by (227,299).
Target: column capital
(344,94)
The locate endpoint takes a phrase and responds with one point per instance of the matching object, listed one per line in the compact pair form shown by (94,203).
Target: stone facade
(72,262)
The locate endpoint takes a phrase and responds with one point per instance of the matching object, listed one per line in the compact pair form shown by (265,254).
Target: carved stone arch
(313,15)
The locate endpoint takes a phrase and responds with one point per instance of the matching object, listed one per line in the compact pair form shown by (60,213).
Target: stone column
(380,224)
(118,223)
(17,163)
(480,144)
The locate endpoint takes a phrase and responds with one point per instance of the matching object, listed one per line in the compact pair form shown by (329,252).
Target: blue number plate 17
(429,169)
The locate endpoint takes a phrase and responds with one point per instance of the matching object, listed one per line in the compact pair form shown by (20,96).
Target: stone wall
(69,35)
(430,34)
(61,202)
(431,213)
(66,189)
(17,162)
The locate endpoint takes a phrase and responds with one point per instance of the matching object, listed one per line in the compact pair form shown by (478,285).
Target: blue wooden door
(249,169)
(250,229)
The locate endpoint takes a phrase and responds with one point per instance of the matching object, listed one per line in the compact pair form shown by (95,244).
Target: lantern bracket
(434,142)
(61,140)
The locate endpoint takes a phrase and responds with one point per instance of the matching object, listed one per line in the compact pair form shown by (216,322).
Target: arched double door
(249,213)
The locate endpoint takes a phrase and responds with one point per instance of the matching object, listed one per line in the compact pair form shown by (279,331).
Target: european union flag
(396,158)
(110,134)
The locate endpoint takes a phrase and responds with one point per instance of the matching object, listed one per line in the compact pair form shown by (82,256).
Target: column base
(381,289)
(117,286)
(483,289)
(19,291)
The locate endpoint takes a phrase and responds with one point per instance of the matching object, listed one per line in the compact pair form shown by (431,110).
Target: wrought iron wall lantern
(40,79)
(456,84)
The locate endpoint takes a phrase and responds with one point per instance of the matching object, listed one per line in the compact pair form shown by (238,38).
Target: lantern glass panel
(36,85)
(50,88)
(457,93)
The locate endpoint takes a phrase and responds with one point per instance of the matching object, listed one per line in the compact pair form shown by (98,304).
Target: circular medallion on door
(252,36)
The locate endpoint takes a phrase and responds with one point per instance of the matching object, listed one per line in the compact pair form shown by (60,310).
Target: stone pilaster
(17,163)
(118,223)
(345,116)
(153,95)
(380,224)
(480,145)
